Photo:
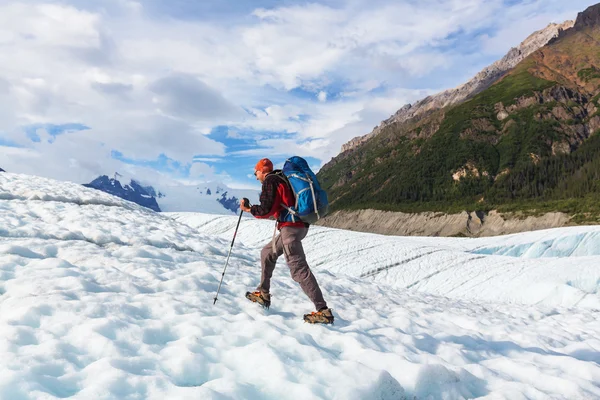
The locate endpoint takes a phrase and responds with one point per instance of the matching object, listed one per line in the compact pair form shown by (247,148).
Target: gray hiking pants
(289,242)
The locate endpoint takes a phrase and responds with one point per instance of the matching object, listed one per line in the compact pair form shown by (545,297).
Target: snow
(576,241)
(450,267)
(103,299)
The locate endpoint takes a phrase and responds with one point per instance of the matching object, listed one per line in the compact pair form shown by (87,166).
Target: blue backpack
(307,192)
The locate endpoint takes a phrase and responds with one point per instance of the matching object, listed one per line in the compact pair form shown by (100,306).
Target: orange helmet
(264,165)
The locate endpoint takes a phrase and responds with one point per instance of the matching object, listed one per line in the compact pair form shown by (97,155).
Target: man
(275,192)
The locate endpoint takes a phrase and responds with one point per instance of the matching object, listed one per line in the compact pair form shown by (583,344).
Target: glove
(245,205)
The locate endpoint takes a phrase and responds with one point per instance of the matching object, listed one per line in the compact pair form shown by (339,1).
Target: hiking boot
(264,299)
(319,317)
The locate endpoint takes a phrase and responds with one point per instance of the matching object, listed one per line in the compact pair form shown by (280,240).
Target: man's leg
(268,259)
(296,260)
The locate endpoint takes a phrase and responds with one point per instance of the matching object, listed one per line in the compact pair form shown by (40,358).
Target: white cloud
(201,170)
(207,159)
(148,86)
(118,89)
(233,134)
(521,20)
(48,25)
(189,98)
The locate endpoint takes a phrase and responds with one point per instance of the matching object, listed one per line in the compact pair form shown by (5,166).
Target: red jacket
(274,192)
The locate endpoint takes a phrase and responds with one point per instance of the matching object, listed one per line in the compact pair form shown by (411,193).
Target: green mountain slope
(530,141)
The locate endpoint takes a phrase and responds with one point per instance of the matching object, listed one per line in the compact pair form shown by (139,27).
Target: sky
(103,299)
(183,91)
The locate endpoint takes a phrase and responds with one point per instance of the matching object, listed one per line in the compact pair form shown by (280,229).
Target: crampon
(319,317)
(260,298)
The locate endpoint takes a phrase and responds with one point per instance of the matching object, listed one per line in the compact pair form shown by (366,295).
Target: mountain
(527,143)
(144,196)
(209,197)
(1,170)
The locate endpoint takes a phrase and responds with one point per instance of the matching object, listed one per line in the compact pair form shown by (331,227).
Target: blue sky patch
(311,90)
(53,130)
(233,138)
(302,118)
(8,143)
(162,163)
(302,93)
(236,139)
(236,163)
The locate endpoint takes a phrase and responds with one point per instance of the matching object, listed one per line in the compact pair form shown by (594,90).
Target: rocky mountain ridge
(213,198)
(480,82)
(589,18)
(144,196)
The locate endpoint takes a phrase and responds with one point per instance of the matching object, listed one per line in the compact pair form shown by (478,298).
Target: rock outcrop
(468,224)
(588,18)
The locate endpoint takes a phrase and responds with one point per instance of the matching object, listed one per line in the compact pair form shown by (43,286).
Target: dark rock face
(144,196)
(231,203)
(588,18)
(148,189)
(1,170)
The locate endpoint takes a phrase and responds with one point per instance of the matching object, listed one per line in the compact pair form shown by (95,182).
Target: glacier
(101,298)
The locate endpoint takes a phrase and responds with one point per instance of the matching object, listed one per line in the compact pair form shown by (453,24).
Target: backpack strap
(280,175)
(273,246)
(312,189)
(285,180)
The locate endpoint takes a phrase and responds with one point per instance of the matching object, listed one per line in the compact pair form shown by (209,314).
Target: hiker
(275,191)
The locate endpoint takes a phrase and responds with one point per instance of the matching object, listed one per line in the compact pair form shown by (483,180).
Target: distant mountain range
(523,135)
(143,195)
(210,197)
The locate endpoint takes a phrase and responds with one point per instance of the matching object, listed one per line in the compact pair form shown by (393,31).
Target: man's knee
(267,254)
(300,272)
(264,254)
(294,250)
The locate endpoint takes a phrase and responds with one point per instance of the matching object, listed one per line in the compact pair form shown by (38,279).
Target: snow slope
(451,267)
(102,299)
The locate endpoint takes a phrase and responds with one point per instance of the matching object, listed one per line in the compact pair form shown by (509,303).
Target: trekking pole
(245,201)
